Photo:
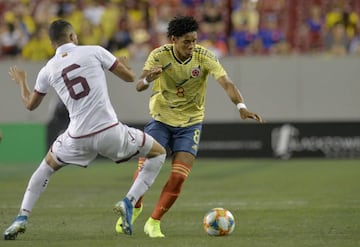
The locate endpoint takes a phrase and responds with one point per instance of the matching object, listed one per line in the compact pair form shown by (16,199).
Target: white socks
(146,177)
(37,184)
(40,178)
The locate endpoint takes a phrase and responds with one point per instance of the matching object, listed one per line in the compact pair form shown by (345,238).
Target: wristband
(241,106)
(145,81)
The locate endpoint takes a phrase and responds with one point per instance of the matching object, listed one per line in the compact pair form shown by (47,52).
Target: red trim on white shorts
(144,139)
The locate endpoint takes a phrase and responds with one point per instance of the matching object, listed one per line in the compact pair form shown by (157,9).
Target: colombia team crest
(195,72)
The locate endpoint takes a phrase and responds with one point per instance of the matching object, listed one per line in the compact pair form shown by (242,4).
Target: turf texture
(300,202)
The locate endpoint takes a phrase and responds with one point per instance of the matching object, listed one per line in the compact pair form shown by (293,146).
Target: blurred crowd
(227,27)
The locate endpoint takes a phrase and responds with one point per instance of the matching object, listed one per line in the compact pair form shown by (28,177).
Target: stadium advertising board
(281,140)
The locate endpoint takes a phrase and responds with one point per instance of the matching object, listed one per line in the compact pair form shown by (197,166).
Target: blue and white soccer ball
(219,222)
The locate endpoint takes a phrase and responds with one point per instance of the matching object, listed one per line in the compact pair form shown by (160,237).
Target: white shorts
(119,143)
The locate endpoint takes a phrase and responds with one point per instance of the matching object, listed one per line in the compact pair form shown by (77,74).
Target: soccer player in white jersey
(77,75)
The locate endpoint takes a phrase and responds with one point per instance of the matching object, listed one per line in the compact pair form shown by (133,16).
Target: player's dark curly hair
(181,25)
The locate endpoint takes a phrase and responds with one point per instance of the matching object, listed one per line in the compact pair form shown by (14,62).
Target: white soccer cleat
(124,209)
(18,226)
(136,213)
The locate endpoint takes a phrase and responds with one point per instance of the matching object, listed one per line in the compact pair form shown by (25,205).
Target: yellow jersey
(178,95)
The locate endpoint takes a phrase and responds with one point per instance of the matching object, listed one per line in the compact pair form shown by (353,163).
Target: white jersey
(77,75)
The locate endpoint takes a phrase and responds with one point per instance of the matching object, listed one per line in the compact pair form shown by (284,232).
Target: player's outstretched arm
(234,94)
(147,77)
(123,70)
(31,100)
(245,114)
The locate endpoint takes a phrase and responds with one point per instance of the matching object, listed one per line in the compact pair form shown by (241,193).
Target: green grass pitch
(301,202)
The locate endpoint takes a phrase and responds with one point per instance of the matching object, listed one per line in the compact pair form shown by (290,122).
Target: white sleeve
(105,57)
(42,84)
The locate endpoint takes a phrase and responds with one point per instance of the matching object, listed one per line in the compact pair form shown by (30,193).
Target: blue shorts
(177,139)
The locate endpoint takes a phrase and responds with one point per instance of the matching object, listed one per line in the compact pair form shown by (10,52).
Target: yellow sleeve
(151,61)
(215,68)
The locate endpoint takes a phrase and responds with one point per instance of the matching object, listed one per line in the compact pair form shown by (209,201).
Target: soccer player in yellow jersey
(179,72)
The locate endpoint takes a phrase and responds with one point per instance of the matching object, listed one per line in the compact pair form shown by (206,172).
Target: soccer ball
(219,222)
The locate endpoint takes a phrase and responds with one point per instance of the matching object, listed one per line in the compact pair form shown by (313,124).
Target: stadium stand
(132,28)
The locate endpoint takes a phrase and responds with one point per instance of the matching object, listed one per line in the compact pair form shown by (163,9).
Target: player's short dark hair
(59,30)
(181,25)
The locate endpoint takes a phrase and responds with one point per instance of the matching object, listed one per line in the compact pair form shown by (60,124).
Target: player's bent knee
(156,150)
(50,160)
